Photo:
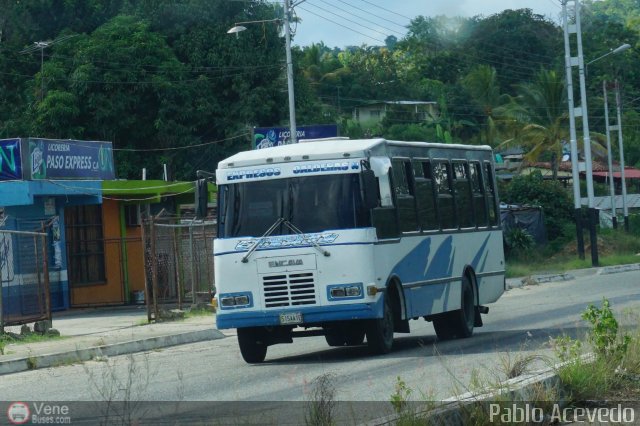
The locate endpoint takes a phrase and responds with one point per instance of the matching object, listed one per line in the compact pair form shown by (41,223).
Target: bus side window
(425,196)
(405,194)
(477,189)
(463,194)
(490,195)
(442,176)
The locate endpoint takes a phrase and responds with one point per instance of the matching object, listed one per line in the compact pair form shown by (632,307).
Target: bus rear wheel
(380,331)
(458,323)
(253,345)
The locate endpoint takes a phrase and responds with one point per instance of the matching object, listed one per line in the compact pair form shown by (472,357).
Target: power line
(340,25)
(181,147)
(344,18)
(386,10)
(363,18)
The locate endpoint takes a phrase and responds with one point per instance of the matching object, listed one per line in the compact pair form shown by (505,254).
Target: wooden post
(154,270)
(147,293)
(192,261)
(176,257)
(45,267)
(41,301)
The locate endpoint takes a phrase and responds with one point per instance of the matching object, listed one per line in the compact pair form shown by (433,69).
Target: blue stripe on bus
(310,315)
(295,247)
(481,251)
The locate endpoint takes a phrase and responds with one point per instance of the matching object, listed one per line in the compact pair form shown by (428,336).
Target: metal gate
(24,277)
(178,263)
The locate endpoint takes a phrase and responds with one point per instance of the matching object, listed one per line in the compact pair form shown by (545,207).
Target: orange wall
(113,290)
(135,258)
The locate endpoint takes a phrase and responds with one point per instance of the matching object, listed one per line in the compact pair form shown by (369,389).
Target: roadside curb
(568,276)
(522,388)
(79,355)
(538,279)
(619,268)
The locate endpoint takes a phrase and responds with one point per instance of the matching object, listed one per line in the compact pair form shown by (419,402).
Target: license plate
(291,318)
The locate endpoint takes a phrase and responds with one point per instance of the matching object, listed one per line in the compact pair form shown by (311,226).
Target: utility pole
(618,126)
(581,111)
(292,100)
(575,173)
(614,215)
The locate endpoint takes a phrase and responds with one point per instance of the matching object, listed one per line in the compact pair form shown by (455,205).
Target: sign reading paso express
(10,159)
(67,159)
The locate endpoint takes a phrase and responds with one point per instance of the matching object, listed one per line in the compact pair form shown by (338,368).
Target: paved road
(521,322)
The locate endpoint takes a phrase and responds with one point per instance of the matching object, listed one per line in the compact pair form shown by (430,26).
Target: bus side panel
(431,271)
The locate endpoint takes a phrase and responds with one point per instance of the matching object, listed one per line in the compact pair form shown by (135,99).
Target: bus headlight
(235,300)
(345,291)
(226,302)
(337,292)
(354,291)
(241,300)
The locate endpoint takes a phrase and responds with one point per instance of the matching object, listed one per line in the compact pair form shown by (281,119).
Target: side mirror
(369,189)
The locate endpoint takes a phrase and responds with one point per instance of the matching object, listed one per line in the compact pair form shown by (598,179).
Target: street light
(618,49)
(41,45)
(288,9)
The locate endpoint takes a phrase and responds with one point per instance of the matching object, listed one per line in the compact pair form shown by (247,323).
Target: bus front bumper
(310,315)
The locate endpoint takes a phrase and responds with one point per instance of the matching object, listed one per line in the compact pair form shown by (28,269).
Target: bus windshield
(311,203)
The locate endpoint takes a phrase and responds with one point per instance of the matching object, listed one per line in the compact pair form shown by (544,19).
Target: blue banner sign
(69,159)
(266,137)
(10,159)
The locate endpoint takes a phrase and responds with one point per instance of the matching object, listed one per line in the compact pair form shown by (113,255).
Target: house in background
(415,111)
(107,250)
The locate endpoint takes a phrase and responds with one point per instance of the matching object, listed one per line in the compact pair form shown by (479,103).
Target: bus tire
(354,335)
(335,337)
(459,323)
(380,331)
(253,346)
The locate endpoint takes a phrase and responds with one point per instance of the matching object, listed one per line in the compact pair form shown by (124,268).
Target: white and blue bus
(354,238)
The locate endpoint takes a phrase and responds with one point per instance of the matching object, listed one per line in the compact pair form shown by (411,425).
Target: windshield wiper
(295,229)
(253,248)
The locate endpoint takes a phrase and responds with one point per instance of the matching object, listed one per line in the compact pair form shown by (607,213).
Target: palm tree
(540,112)
(482,84)
(541,109)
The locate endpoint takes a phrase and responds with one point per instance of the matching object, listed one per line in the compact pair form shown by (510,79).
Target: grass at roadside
(615,247)
(557,266)
(604,366)
(10,338)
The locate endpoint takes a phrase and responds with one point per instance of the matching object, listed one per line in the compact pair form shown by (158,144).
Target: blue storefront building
(44,187)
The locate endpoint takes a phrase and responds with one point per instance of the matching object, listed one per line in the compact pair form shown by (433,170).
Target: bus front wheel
(380,331)
(458,323)
(253,345)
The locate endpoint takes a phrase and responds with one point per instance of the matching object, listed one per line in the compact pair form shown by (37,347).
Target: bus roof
(326,149)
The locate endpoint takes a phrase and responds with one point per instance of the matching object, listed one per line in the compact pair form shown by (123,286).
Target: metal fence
(178,263)
(24,277)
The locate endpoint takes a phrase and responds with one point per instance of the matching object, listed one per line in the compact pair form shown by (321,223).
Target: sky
(340,23)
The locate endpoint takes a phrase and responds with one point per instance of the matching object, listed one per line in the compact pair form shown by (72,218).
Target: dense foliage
(159,77)
(551,195)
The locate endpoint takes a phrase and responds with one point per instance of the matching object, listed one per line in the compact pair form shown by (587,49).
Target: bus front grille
(292,289)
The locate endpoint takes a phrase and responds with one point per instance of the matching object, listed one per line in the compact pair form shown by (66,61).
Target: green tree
(554,199)
(482,84)
(516,43)
(540,110)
